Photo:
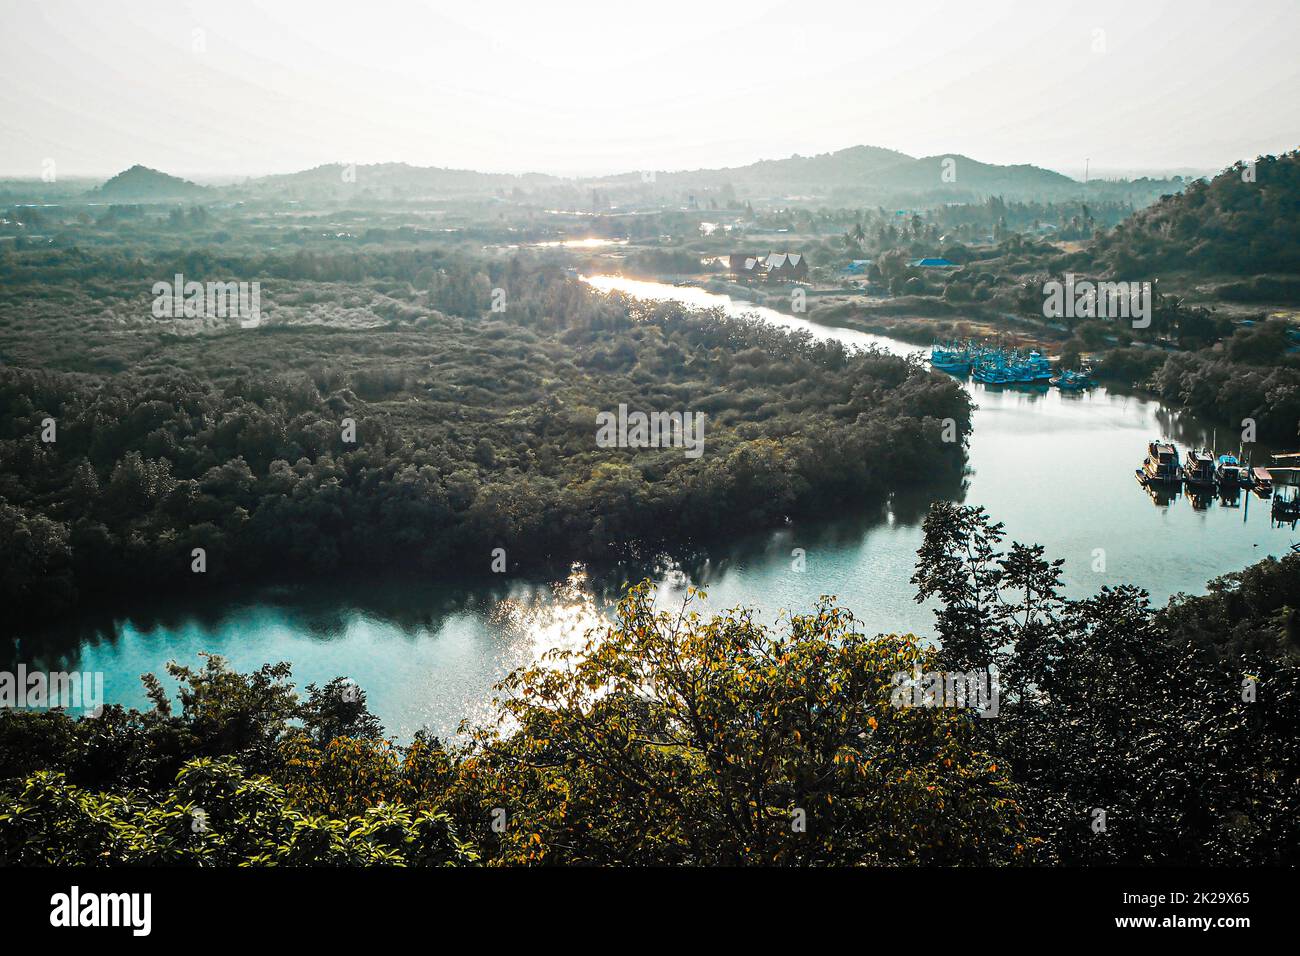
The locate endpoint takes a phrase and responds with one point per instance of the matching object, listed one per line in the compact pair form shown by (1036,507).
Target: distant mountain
(142,184)
(962,171)
(864,172)
(852,176)
(845,167)
(395,179)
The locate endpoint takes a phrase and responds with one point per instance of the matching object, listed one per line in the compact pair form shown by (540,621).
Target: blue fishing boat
(992,375)
(990,365)
(1071,381)
(992,369)
(952,358)
(952,362)
(1040,369)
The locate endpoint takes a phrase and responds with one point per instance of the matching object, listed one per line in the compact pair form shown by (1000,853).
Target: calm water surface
(1057,469)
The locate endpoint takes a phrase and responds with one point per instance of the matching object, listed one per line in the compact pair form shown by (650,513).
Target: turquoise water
(1056,469)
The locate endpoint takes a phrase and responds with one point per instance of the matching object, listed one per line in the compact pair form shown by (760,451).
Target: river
(1056,468)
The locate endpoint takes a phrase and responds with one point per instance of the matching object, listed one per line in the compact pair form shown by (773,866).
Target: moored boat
(954,358)
(993,365)
(993,375)
(947,361)
(1039,368)
(1198,470)
(1071,381)
(1231,473)
(1161,464)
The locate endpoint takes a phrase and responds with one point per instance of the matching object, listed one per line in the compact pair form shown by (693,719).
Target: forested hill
(142,184)
(1241,222)
(871,169)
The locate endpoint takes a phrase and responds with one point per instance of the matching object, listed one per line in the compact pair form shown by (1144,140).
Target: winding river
(1056,468)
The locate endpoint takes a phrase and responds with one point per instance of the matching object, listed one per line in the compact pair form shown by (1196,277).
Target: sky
(209,90)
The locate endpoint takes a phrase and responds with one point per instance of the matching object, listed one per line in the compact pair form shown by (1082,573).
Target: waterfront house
(786,267)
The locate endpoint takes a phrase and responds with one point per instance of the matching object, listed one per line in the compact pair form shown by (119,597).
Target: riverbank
(920,320)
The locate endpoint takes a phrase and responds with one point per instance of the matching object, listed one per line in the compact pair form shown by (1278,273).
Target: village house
(775,266)
(787,267)
(745,266)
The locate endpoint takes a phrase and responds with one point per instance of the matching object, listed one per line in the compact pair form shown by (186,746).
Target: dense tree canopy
(1242,222)
(126,443)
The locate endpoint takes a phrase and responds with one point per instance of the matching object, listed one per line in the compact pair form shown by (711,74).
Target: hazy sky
(571,86)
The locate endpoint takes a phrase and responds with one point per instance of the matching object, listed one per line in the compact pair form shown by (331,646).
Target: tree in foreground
(674,739)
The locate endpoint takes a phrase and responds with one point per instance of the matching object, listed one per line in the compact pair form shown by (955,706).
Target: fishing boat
(1018,373)
(1198,470)
(1262,480)
(952,358)
(1231,473)
(1160,465)
(1039,368)
(993,374)
(1071,381)
(992,365)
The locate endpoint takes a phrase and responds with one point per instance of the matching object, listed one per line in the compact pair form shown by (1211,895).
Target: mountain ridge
(860,173)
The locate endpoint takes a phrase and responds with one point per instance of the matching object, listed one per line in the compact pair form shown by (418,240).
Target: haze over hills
(840,168)
(855,169)
(854,176)
(338,177)
(868,166)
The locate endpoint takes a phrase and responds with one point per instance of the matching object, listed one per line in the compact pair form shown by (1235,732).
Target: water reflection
(1162,496)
